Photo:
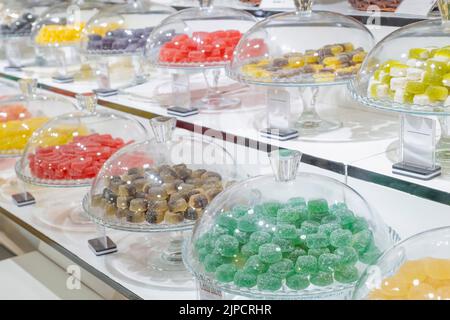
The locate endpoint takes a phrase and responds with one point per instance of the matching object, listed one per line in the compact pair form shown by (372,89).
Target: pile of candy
(329,63)
(424,279)
(292,245)
(164,194)
(59,34)
(12,112)
(202,47)
(424,79)
(14,134)
(20,27)
(128,40)
(81,158)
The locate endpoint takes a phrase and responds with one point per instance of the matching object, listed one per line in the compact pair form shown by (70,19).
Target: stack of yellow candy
(424,79)
(424,279)
(60,34)
(14,134)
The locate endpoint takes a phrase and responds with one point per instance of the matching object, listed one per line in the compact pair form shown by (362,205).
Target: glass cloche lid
(292,235)
(70,149)
(409,70)
(417,268)
(62,24)
(123,29)
(162,184)
(21,115)
(16,19)
(281,51)
(203,36)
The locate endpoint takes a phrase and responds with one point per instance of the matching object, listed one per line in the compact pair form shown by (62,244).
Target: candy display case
(57,35)
(128,28)
(200,39)
(69,150)
(286,236)
(280,52)
(408,72)
(16,21)
(417,268)
(21,115)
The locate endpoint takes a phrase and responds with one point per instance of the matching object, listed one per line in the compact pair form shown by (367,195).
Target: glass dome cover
(409,70)
(145,188)
(16,20)
(69,150)
(286,237)
(123,29)
(417,268)
(203,36)
(21,115)
(280,50)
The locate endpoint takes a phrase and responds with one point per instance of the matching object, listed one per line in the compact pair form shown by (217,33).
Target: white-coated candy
(421,99)
(414,74)
(398,71)
(415,63)
(441,58)
(382,90)
(398,83)
(399,96)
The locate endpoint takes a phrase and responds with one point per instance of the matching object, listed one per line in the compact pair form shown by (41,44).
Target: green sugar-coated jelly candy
(202,253)
(317,252)
(212,261)
(347,255)
(244,279)
(346,218)
(286,231)
(225,272)
(227,222)
(219,231)
(294,254)
(239,211)
(317,240)
(270,209)
(260,238)
(300,239)
(205,241)
(346,274)
(306,265)
(227,246)
(255,266)
(249,249)
(242,237)
(362,240)
(359,224)
(328,262)
(371,254)
(337,207)
(270,253)
(248,223)
(328,228)
(330,219)
(282,268)
(321,278)
(288,215)
(285,245)
(297,201)
(309,227)
(297,282)
(268,282)
(318,208)
(341,238)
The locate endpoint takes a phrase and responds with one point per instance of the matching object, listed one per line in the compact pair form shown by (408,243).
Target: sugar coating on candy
(341,238)
(60,34)
(270,253)
(328,262)
(322,278)
(297,282)
(255,266)
(347,255)
(226,272)
(346,274)
(317,240)
(227,246)
(269,282)
(306,265)
(282,268)
(244,279)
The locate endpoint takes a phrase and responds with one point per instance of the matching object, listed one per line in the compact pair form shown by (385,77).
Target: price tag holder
(416,7)
(276,4)
(63,79)
(418,148)
(278,108)
(23,199)
(101,246)
(182,112)
(279,133)
(106,92)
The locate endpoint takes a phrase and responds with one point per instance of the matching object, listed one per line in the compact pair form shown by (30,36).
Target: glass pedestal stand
(443,146)
(309,121)
(18,52)
(63,55)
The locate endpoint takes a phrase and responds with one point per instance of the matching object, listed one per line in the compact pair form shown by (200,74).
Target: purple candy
(120,44)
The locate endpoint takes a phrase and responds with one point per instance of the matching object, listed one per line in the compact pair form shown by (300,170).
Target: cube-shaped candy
(419,53)
(398,70)
(437,93)
(415,87)
(378,90)
(422,99)
(398,83)
(414,74)
(401,96)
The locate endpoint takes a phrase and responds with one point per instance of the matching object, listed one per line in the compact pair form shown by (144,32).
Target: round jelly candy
(288,215)
(218,231)
(286,231)
(309,227)
(260,238)
(285,245)
(328,228)
(255,266)
(359,224)
(306,265)
(248,223)
(362,240)
(270,253)
(328,262)
(317,240)
(346,274)
(297,282)
(202,253)
(227,246)
(226,272)
(212,261)
(227,222)
(270,209)
(318,208)
(294,254)
(317,252)
(242,237)
(282,268)
(249,249)
(341,238)
(205,241)
(321,278)
(268,282)
(244,279)
(347,255)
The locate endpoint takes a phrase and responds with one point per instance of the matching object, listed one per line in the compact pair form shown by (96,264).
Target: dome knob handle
(444,8)
(28,87)
(205,3)
(303,6)
(87,101)
(285,164)
(163,128)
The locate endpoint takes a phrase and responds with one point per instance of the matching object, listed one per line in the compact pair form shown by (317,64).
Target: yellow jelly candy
(296,62)
(443,53)
(378,295)
(348,46)
(324,77)
(413,271)
(419,53)
(415,87)
(15,134)
(395,287)
(431,78)
(438,269)
(316,67)
(335,50)
(331,61)
(437,93)
(386,67)
(311,59)
(422,291)
(434,66)
(359,57)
